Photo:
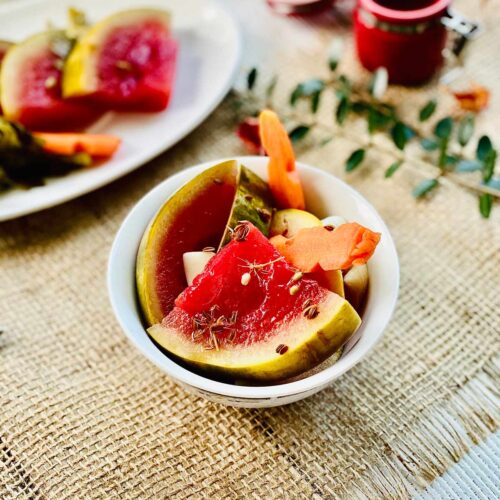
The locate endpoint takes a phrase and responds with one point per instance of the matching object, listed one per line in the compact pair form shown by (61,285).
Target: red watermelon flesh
(136,67)
(42,106)
(198,224)
(258,307)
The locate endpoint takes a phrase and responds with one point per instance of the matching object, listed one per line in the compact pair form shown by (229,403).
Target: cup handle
(463,28)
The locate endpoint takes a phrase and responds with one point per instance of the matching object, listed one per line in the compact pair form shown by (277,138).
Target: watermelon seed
(264,214)
(240,232)
(297,276)
(245,279)
(218,181)
(281,349)
(294,289)
(124,65)
(329,227)
(50,82)
(248,197)
(311,311)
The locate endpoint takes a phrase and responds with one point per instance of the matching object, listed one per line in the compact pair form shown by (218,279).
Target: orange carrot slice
(69,143)
(315,248)
(284,180)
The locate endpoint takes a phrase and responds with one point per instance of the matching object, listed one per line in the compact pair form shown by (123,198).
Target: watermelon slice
(30,81)
(126,61)
(193,218)
(250,315)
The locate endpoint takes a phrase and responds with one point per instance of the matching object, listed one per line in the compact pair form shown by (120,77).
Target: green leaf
(401,134)
(376,120)
(307,89)
(489,165)
(451,160)
(428,110)
(332,64)
(345,87)
(484,146)
(354,160)
(342,110)
(429,144)
(465,129)
(251,78)
(299,132)
(468,166)
(315,98)
(424,187)
(409,132)
(310,87)
(392,169)
(271,87)
(493,183)
(485,204)
(443,128)
(295,95)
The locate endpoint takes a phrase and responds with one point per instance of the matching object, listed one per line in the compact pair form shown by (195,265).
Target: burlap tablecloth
(84,415)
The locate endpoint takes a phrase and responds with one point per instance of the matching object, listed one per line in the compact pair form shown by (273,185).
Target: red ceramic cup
(406,37)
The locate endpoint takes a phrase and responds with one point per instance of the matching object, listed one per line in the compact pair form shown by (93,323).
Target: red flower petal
(248,132)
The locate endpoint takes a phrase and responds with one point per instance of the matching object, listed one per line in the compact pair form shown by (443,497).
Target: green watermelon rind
(252,202)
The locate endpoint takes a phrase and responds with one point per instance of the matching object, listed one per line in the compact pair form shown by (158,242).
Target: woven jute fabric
(84,415)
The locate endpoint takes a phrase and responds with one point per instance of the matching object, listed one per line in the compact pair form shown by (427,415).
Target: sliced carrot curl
(315,248)
(96,145)
(284,180)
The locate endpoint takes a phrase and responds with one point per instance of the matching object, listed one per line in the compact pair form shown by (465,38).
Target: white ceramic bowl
(325,195)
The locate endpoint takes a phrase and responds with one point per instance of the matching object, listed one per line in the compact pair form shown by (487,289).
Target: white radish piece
(356,286)
(194,264)
(332,280)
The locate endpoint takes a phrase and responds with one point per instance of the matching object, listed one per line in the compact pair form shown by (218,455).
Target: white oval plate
(209,52)
(325,195)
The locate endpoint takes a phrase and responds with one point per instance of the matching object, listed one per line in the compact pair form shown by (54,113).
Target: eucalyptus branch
(445,159)
(410,162)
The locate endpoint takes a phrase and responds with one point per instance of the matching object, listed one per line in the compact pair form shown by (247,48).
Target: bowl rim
(182,375)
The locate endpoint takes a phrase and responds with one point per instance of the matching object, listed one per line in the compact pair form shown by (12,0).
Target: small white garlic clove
(245,279)
(194,264)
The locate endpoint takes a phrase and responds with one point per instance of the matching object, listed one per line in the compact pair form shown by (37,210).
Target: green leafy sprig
(443,150)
